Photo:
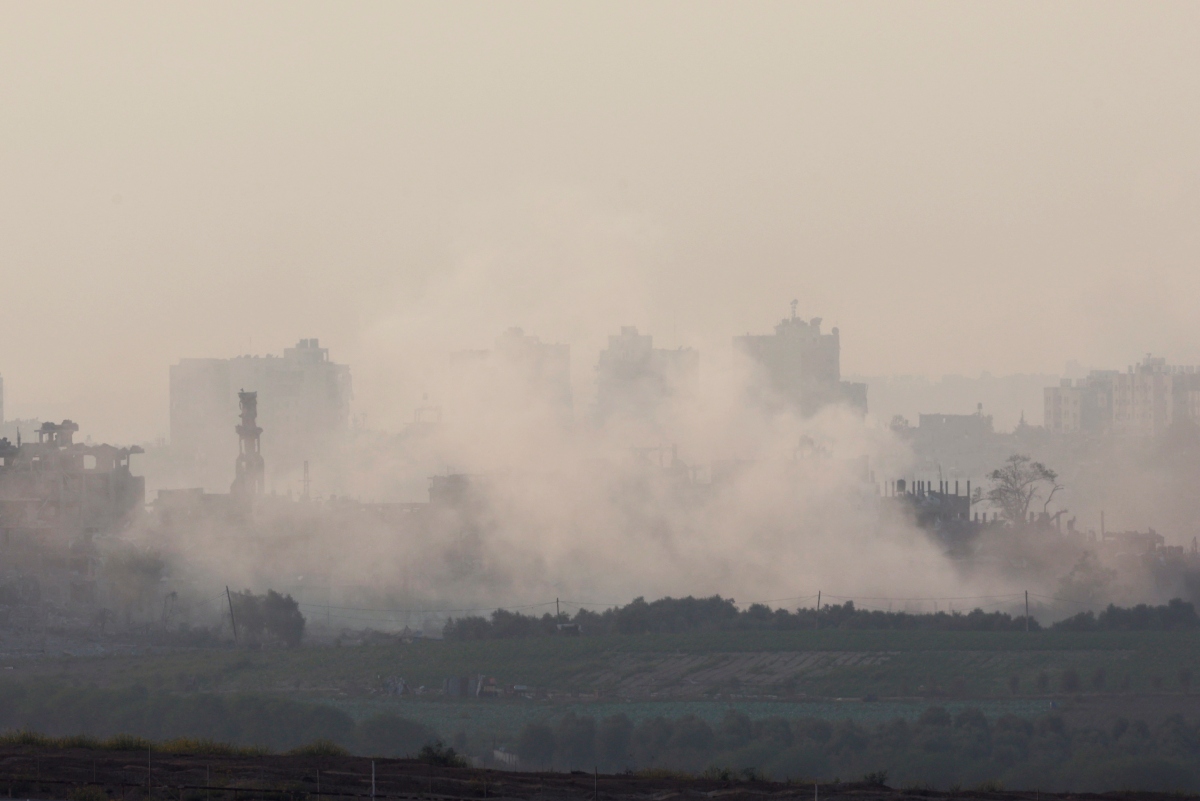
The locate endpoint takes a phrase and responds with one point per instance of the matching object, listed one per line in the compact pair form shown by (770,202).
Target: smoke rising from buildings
(986,188)
(752,477)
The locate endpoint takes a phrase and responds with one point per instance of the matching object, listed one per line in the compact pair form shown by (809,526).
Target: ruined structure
(802,366)
(634,378)
(249,470)
(305,409)
(56,497)
(941,509)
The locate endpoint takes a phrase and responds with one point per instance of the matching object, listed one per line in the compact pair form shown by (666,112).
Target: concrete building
(941,428)
(303,407)
(1082,405)
(1145,400)
(56,496)
(634,378)
(802,366)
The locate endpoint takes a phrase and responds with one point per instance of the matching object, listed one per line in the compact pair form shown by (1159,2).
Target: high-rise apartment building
(802,366)
(1081,405)
(1144,400)
(634,378)
(303,408)
(1151,396)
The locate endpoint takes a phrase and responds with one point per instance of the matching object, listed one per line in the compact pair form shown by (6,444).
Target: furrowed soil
(94,775)
(865,675)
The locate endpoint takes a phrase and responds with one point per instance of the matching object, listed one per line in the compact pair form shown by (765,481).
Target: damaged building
(57,496)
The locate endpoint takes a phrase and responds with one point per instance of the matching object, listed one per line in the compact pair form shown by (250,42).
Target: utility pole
(1027,611)
(232,617)
(818,617)
(556,611)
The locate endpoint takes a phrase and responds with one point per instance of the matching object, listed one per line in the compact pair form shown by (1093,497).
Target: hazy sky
(959,186)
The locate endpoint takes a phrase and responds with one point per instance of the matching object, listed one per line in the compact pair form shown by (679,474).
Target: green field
(713,666)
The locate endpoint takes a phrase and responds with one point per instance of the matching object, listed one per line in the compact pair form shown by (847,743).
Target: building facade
(802,366)
(303,408)
(1145,400)
(634,378)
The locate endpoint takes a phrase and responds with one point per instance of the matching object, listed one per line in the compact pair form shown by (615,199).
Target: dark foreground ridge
(85,774)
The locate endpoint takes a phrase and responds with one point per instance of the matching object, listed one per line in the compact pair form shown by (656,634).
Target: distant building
(803,366)
(1145,400)
(1082,405)
(1007,398)
(1152,396)
(56,497)
(949,427)
(634,378)
(303,408)
(537,372)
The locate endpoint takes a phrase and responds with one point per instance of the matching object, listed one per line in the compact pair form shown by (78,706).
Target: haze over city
(959,188)
(538,400)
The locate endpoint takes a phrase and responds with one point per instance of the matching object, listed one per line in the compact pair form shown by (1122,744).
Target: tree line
(676,615)
(940,749)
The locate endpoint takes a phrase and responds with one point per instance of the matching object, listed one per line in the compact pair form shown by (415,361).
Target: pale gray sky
(999,186)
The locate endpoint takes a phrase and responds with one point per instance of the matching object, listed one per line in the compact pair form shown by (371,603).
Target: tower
(250,471)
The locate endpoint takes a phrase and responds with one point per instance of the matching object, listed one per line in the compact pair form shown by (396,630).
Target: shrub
(439,754)
(876,777)
(320,748)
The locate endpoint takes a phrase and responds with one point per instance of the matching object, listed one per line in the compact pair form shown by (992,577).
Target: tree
(282,618)
(439,754)
(273,614)
(1017,484)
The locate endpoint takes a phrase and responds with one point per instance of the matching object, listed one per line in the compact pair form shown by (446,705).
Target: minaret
(250,470)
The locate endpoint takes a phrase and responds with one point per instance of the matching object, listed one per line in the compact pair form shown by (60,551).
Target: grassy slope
(976,664)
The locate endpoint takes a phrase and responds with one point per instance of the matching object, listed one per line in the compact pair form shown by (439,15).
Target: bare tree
(1017,484)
